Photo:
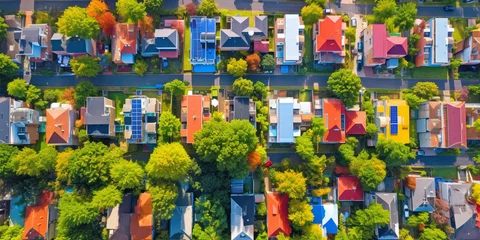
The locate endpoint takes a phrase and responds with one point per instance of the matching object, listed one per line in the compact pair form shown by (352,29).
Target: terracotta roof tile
(141,223)
(36,217)
(349,189)
(58,126)
(356,122)
(277,219)
(329,38)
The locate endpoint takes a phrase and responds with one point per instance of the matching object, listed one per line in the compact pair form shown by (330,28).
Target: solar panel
(136,119)
(393,120)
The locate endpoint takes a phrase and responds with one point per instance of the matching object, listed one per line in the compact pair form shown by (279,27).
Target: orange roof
(332,116)
(126,36)
(58,126)
(36,218)
(141,223)
(277,219)
(349,189)
(193,104)
(356,122)
(329,38)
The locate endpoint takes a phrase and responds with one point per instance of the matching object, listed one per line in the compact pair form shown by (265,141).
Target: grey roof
(239,33)
(166,38)
(458,192)
(423,194)
(462,213)
(261,23)
(29,35)
(123,231)
(95,112)
(184,198)
(242,217)
(11,45)
(13,22)
(389,202)
(247,203)
(241,107)
(4,119)
(126,205)
(469,229)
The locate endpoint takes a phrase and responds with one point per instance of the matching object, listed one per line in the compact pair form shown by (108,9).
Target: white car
(328,11)
(353,22)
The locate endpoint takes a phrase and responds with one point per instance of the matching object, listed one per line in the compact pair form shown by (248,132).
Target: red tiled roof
(277,219)
(168,54)
(36,217)
(379,36)
(356,122)
(349,189)
(329,38)
(58,126)
(126,36)
(261,46)
(332,116)
(141,223)
(193,105)
(456,125)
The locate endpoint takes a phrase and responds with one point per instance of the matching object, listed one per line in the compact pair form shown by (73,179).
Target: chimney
(130,27)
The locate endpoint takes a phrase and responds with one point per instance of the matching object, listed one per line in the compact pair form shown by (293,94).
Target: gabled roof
(379,45)
(349,189)
(397,46)
(277,215)
(330,218)
(141,223)
(317,210)
(242,217)
(329,38)
(193,106)
(28,38)
(125,36)
(166,38)
(36,217)
(76,45)
(4,119)
(456,134)
(389,202)
(181,223)
(332,116)
(239,33)
(58,126)
(95,112)
(356,122)
(148,45)
(58,42)
(424,191)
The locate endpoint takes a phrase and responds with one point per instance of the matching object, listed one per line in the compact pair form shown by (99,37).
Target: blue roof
(284,69)
(17,211)
(392,63)
(331,227)
(37,51)
(128,58)
(76,45)
(424,208)
(203,40)
(137,119)
(204,68)
(285,120)
(317,210)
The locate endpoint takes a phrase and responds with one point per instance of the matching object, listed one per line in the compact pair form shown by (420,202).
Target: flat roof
(292,24)
(285,120)
(241,108)
(441,40)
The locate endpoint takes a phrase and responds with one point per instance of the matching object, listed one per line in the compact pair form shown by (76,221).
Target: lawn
(305,96)
(187,67)
(445,172)
(308,46)
(459,24)
(413,130)
(430,73)
(41,142)
(243,13)
(119,98)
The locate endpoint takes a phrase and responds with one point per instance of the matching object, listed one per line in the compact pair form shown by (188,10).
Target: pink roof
(261,46)
(456,133)
(379,36)
(168,54)
(397,46)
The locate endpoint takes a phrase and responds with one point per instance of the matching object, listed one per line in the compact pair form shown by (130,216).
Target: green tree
(299,213)
(412,44)
(405,235)
(127,175)
(242,87)
(268,62)
(52,95)
(425,90)
(169,128)
(3,28)
(7,67)
(393,153)
(154,6)
(164,196)
(413,100)
(85,66)
(370,172)
(372,129)
(369,110)
(313,171)
(28,162)
(207,8)
(7,153)
(227,144)
(345,85)
(213,222)
(140,67)
(260,90)
(237,68)
(169,162)
(83,90)
(311,13)
(350,34)
(320,3)
(407,13)
(318,129)
(476,124)
(13,232)
(261,209)
(304,145)
(77,219)
(107,197)
(367,219)
(130,10)
(33,94)
(384,9)
(292,183)
(76,22)
(346,152)
(417,219)
(433,234)
(17,88)
(312,231)
(176,88)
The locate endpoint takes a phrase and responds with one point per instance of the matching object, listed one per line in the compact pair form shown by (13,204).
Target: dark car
(360,47)
(359,62)
(449,8)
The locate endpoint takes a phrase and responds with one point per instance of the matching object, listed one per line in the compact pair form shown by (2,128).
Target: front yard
(187,67)
(119,98)
(430,73)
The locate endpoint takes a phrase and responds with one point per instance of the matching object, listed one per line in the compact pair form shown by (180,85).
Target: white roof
(238,229)
(305,107)
(292,24)
(441,40)
(331,212)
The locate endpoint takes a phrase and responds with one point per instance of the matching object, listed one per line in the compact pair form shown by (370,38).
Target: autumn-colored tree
(180,28)
(441,212)
(476,193)
(463,94)
(191,9)
(145,24)
(253,61)
(107,23)
(253,160)
(96,8)
(411,182)
(67,95)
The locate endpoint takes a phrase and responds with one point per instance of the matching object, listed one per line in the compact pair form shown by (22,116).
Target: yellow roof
(403,135)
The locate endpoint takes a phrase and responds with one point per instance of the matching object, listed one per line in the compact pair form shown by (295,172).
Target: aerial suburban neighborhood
(242,120)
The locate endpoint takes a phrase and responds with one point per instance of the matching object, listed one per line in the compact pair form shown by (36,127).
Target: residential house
(325,215)
(11,44)
(164,43)
(382,48)
(241,35)
(289,41)
(389,203)
(467,49)
(181,223)
(420,196)
(60,129)
(141,115)
(18,124)
(277,215)
(40,217)
(242,217)
(285,120)
(462,213)
(124,43)
(472,112)
(71,47)
(35,42)
(100,117)
(141,223)
(392,118)
(349,189)
(240,108)
(203,42)
(329,40)
(442,125)
(195,111)
(118,219)
(338,121)
(436,42)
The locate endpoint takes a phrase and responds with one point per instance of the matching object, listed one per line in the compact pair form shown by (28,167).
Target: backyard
(445,172)
(430,73)
(187,67)
(119,99)
(459,24)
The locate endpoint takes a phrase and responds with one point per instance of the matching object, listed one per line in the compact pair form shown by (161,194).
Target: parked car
(359,62)
(360,47)
(353,22)
(268,163)
(420,153)
(449,8)
(328,11)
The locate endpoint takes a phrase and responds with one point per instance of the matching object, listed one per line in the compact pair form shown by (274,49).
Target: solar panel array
(393,120)
(136,119)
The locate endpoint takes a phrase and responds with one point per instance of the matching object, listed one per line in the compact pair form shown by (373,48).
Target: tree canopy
(299,213)
(107,23)
(164,196)
(311,13)
(169,162)
(77,219)
(3,28)
(17,88)
(85,66)
(425,90)
(243,87)
(140,67)
(237,68)
(96,8)
(260,90)
(130,10)
(393,153)
(384,9)
(268,62)
(107,197)
(476,192)
(169,128)
(175,88)
(76,22)
(7,67)
(345,85)
(253,61)
(28,162)
(370,172)
(366,219)
(292,183)
(213,221)
(406,14)
(413,100)
(207,8)
(127,175)
(83,90)
(154,6)
(433,234)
